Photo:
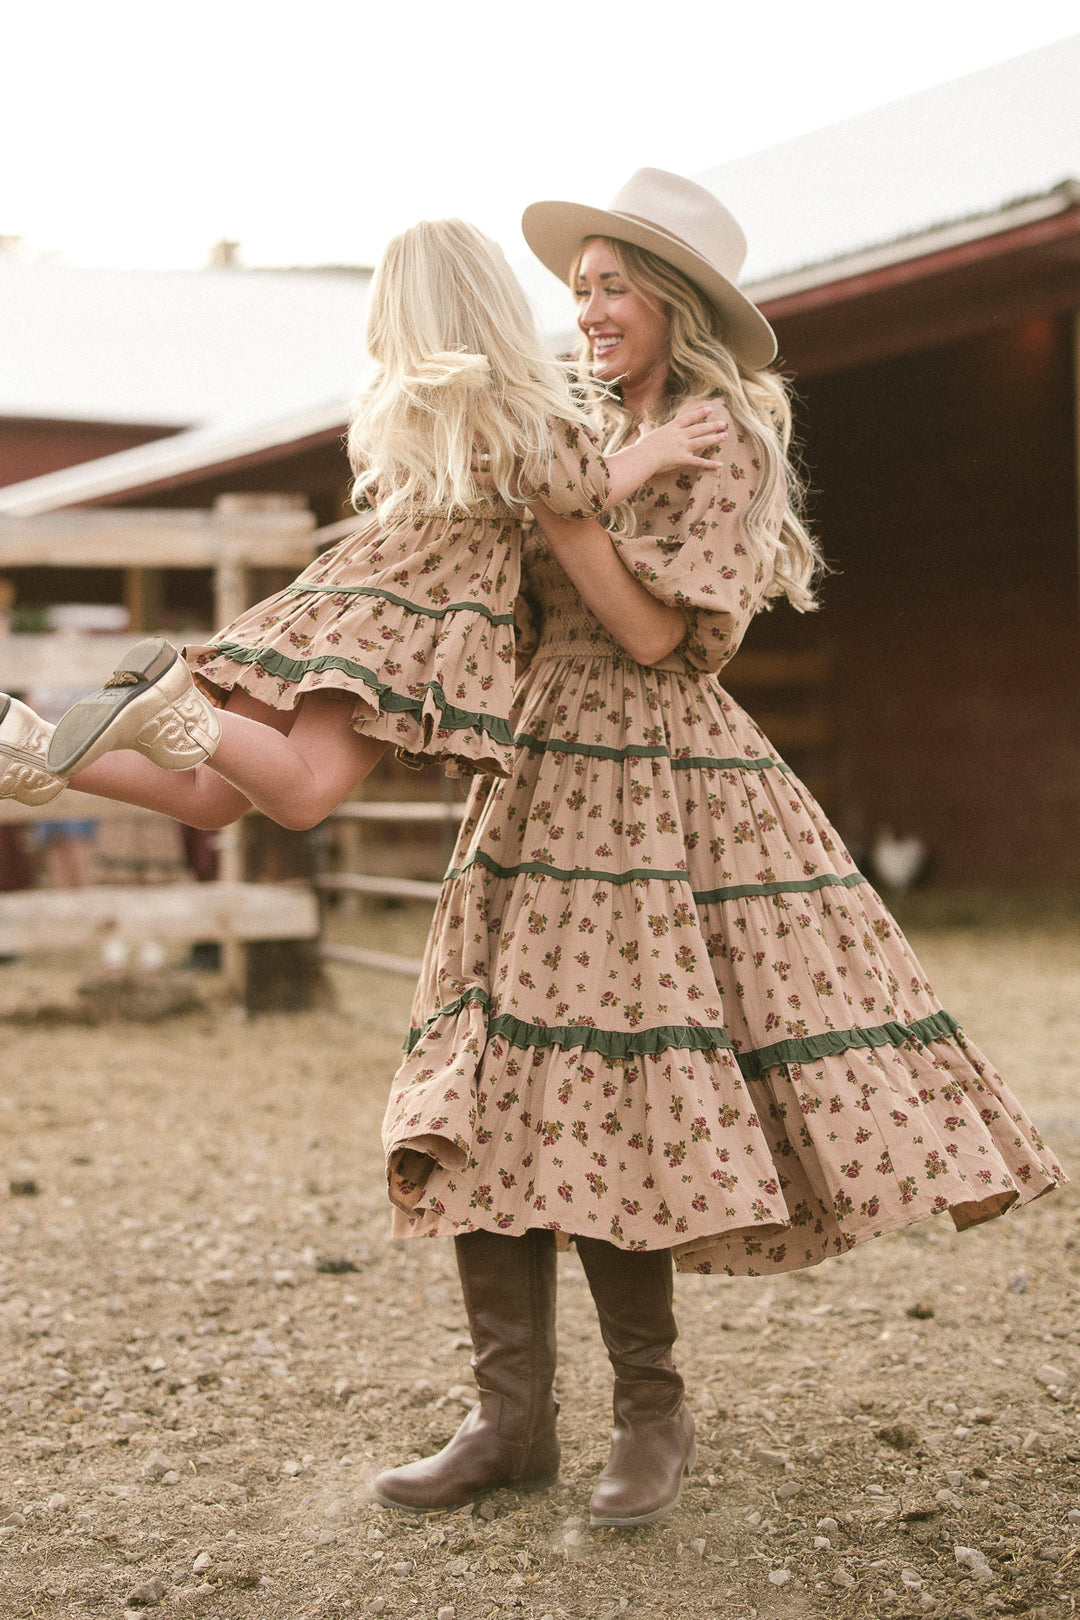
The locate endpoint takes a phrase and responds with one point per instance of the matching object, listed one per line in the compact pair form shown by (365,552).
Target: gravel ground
(208,1345)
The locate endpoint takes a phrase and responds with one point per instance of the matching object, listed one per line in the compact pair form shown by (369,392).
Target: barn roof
(954,175)
(173,348)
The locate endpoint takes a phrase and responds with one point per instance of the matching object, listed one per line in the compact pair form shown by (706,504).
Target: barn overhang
(1020,263)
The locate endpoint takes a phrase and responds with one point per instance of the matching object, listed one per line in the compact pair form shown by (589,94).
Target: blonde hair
(702,366)
(461,372)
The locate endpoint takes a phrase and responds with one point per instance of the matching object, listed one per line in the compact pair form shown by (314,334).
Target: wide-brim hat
(681,223)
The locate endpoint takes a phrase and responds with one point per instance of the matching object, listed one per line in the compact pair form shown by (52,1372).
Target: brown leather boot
(652,1445)
(509,1437)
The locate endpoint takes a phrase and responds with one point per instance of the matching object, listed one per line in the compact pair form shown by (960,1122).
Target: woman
(660,1009)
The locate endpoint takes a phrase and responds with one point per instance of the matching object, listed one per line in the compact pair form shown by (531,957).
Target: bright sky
(138,134)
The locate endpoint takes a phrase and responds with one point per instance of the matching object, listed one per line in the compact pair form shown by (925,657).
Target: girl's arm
(682,442)
(647,629)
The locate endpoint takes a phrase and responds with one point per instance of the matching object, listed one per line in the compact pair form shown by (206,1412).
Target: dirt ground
(208,1345)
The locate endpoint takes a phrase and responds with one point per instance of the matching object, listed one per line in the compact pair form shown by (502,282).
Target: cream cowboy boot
(149,703)
(24,739)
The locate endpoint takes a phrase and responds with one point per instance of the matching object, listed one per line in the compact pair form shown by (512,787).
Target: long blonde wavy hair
(702,367)
(461,373)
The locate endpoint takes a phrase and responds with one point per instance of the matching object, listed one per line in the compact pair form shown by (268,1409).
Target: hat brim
(556,230)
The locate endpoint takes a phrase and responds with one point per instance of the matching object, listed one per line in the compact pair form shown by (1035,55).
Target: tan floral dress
(415,621)
(659,1005)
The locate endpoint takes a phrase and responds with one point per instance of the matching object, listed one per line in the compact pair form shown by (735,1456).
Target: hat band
(677,241)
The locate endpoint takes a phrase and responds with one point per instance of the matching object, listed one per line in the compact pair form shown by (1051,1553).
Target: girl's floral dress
(414,621)
(659,1004)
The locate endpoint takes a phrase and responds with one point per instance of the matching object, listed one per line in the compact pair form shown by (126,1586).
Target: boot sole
(86,723)
(612,1523)
(524,1486)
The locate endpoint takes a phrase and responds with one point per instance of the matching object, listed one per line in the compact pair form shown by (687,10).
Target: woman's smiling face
(629,338)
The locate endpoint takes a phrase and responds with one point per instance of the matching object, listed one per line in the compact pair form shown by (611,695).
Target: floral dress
(415,621)
(659,1005)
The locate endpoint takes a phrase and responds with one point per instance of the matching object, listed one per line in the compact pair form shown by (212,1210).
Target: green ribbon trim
(608,1042)
(569,875)
(737,891)
(937,1026)
(390,701)
(400,601)
(755,891)
(552,745)
(753,1065)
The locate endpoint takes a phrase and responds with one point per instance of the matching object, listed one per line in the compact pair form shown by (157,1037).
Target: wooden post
(1076,422)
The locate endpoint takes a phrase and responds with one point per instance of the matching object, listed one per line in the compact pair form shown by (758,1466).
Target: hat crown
(682,209)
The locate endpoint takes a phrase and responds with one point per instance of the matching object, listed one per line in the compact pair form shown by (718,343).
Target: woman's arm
(647,629)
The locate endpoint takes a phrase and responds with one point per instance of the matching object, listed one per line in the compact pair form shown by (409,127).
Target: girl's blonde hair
(702,367)
(461,373)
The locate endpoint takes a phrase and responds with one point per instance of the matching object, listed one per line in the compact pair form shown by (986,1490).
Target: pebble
(779,1577)
(147,1595)
(447,1612)
(1018,1284)
(203,1561)
(822,1543)
(157,1465)
(57,1503)
(775,1459)
(830,1526)
(1051,1376)
(290,1469)
(789,1489)
(843,1577)
(699,1545)
(973,1560)
(912,1580)
(954,1478)
(404,1568)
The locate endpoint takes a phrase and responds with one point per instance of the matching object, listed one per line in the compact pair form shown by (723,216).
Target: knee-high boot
(509,1437)
(652,1445)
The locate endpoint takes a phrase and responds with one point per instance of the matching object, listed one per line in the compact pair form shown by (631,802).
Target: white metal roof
(268,342)
(968,147)
(175,347)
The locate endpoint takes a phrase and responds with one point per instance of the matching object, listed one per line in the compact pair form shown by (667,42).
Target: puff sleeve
(690,552)
(576,482)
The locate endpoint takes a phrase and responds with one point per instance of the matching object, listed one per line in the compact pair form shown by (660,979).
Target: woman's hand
(688,440)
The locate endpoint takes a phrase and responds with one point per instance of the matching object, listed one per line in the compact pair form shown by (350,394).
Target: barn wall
(947,501)
(30,447)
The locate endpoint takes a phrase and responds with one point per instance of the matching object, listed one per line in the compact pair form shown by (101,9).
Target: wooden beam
(46,919)
(132,538)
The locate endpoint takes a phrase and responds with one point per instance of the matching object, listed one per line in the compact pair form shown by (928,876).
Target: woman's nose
(589,310)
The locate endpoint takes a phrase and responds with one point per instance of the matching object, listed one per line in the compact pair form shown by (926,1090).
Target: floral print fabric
(659,1004)
(415,622)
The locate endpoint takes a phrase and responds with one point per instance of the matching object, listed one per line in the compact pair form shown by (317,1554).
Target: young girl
(404,632)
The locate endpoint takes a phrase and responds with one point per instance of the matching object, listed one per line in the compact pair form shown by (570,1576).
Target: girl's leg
(294,766)
(296,778)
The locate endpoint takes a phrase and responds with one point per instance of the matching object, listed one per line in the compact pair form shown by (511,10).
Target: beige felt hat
(681,223)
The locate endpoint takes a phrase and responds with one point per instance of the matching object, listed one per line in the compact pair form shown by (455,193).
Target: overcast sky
(135,133)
